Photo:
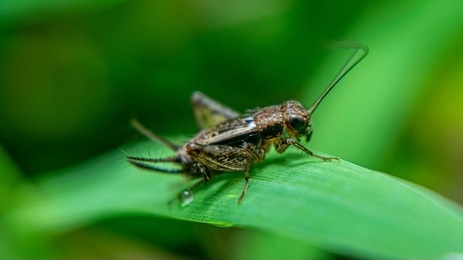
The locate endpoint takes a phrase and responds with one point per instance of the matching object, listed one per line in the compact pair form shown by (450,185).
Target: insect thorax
(269,122)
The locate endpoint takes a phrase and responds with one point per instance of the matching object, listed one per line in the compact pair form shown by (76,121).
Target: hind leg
(227,158)
(209,112)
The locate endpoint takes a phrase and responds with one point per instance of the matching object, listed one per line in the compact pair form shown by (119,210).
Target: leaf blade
(337,206)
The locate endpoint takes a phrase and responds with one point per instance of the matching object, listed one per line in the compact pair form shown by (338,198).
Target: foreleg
(286,142)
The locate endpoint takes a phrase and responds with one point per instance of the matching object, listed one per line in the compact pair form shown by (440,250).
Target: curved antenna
(348,66)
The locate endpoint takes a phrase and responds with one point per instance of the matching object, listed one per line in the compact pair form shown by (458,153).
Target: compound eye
(298,123)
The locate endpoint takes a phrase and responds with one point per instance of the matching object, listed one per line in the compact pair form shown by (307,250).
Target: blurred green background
(73,73)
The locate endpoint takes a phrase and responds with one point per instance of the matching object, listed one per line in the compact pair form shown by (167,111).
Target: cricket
(232,142)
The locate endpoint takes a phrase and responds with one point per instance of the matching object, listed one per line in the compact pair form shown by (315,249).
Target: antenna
(350,64)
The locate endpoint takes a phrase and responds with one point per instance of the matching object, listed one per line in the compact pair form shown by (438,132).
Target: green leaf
(336,205)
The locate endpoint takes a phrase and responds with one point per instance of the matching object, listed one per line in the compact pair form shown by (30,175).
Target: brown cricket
(230,141)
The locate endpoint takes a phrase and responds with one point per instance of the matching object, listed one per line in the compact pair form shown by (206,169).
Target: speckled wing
(232,132)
